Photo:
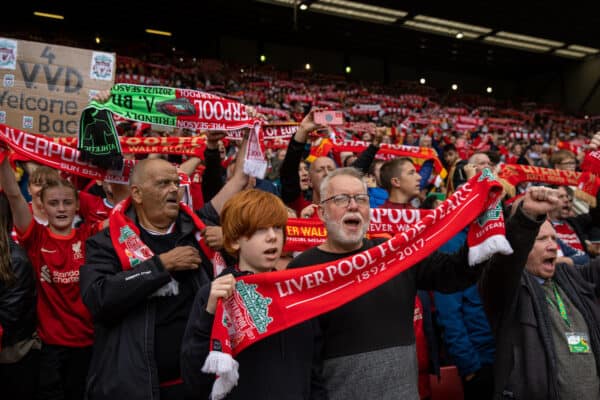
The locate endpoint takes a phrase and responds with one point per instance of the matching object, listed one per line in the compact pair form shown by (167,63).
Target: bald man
(139,282)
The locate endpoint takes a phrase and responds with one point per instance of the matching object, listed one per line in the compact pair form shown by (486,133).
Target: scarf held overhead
(586,183)
(180,108)
(267,303)
(54,155)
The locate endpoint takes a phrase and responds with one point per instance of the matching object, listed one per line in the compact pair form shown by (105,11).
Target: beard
(337,234)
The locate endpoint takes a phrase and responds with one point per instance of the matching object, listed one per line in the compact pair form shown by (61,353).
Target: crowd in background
(467,133)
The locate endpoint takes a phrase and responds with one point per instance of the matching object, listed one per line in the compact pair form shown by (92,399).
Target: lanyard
(560,306)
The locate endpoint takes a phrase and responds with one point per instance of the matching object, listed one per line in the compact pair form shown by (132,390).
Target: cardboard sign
(45,87)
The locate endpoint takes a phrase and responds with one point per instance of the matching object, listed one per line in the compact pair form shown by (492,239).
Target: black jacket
(277,367)
(17,302)
(525,365)
(123,364)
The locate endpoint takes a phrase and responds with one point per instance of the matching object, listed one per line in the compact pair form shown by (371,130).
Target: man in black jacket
(140,311)
(544,316)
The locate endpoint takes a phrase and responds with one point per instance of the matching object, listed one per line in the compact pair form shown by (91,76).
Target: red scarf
(125,237)
(587,184)
(388,151)
(267,303)
(591,162)
(54,155)
(190,146)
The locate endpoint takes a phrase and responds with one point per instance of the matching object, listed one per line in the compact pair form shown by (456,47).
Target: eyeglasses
(343,200)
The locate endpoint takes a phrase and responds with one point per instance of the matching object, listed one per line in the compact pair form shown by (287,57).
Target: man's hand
(378,135)
(593,248)
(102,96)
(470,171)
(220,288)
(214,237)
(539,200)
(307,126)
(181,258)
(308,211)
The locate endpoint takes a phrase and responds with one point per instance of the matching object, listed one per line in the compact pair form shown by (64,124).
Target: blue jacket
(467,334)
(377,196)
(579,257)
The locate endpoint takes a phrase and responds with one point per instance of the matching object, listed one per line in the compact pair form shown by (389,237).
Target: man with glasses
(369,343)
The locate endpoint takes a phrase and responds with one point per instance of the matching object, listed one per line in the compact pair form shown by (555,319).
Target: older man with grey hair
(369,343)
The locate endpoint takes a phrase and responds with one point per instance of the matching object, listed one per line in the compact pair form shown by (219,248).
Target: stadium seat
(448,387)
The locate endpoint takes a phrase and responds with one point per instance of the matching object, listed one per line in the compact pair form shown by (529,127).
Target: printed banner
(45,87)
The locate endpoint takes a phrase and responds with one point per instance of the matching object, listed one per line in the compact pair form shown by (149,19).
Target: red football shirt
(93,208)
(565,233)
(63,319)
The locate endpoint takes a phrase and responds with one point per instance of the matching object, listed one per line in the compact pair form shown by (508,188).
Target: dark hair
(6,273)
(429,202)
(494,157)
(449,147)
(390,169)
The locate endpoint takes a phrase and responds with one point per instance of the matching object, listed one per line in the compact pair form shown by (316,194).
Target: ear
(395,181)
(136,194)
(321,212)
(235,245)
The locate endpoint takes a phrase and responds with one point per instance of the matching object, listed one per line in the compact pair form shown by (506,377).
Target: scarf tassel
(226,369)
(484,251)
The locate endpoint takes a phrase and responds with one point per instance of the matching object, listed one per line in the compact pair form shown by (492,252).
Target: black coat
(277,367)
(17,301)
(123,364)
(525,365)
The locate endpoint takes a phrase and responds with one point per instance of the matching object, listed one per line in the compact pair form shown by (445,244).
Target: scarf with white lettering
(267,303)
(130,249)
(63,158)
(181,108)
(587,183)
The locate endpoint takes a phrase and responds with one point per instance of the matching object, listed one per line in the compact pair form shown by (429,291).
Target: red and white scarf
(125,237)
(587,184)
(267,303)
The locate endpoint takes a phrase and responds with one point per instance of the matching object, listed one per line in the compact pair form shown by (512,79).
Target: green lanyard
(560,306)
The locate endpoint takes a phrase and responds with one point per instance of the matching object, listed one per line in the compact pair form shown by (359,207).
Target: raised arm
(288,172)
(237,182)
(21,212)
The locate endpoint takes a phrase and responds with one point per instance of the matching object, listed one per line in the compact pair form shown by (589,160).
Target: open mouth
(271,252)
(61,217)
(352,222)
(549,261)
(172,200)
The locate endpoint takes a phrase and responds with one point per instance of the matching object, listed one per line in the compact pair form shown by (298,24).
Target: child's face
(260,252)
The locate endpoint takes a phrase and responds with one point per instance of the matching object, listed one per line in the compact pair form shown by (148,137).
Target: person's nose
(352,204)
(271,234)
